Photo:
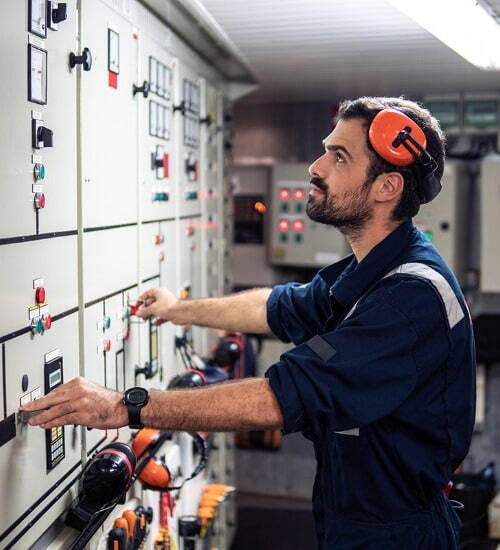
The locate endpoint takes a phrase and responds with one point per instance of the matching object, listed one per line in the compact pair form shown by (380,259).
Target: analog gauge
(37,23)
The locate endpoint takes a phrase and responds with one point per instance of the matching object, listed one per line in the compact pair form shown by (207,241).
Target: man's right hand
(159,303)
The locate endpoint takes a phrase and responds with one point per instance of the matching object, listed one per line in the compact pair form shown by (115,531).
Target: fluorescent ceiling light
(463,25)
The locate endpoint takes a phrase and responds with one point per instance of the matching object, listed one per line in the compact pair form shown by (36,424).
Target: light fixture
(463,25)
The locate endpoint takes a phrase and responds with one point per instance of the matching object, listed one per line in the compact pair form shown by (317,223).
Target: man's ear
(389,186)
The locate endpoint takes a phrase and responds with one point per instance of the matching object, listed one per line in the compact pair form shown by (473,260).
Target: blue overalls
(382,380)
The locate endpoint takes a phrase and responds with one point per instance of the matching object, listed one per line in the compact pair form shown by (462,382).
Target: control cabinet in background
(295,239)
(490,224)
(444,221)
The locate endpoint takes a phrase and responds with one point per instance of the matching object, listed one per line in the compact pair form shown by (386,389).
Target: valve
(85,60)
(144,89)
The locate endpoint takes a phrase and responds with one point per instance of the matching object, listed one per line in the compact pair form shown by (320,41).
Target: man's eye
(339,158)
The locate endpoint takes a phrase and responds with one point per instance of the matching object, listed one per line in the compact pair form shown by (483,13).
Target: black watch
(134,399)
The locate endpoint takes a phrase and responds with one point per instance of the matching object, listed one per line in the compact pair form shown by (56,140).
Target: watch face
(136,396)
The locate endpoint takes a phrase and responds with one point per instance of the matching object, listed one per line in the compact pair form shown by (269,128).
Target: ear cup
(384,130)
(144,438)
(155,474)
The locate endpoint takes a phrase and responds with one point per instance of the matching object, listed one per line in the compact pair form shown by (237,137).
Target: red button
(284,194)
(161,256)
(158,239)
(284,225)
(107,345)
(47,321)
(40,295)
(39,201)
(189,231)
(298,225)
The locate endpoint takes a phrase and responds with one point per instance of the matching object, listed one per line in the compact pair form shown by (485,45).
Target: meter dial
(37,23)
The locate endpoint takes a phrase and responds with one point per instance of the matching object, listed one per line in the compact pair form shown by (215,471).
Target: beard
(348,212)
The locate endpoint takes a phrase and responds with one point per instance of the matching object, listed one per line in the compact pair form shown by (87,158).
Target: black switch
(59,14)
(24,382)
(45,137)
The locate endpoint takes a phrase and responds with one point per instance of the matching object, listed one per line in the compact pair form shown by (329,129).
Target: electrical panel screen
(54,437)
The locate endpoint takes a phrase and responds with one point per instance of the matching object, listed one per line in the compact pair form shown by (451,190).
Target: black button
(25,382)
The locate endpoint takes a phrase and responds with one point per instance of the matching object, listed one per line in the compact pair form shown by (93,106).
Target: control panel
(54,437)
(113,145)
(295,239)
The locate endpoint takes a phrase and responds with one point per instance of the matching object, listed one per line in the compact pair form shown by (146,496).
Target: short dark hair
(365,108)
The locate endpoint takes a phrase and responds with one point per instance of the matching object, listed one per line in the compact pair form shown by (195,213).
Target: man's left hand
(80,402)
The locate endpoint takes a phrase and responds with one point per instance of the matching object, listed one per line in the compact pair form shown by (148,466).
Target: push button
(47,321)
(160,197)
(39,201)
(191,195)
(39,172)
(40,295)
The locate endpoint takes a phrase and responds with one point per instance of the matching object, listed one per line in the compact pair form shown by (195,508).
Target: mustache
(319,183)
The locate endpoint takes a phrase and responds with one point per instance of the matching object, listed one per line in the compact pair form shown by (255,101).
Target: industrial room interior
(171,144)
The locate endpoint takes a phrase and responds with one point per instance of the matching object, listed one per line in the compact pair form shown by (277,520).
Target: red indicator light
(40,295)
(284,194)
(47,321)
(107,345)
(284,225)
(298,225)
(299,194)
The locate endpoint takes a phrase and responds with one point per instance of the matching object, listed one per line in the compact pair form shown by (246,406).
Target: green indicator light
(298,238)
(428,235)
(284,238)
(191,195)
(39,326)
(284,207)
(107,322)
(299,207)
(39,171)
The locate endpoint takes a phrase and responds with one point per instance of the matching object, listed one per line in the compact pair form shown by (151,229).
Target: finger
(55,397)
(149,294)
(65,420)
(53,413)
(145,312)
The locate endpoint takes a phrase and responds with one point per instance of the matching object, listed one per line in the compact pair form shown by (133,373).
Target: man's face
(340,192)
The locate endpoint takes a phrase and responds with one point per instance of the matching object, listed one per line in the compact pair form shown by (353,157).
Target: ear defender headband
(400,141)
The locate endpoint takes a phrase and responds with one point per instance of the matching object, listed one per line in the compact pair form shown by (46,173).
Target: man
(382,375)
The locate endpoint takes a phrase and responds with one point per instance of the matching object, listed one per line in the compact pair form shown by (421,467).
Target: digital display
(37,74)
(55,378)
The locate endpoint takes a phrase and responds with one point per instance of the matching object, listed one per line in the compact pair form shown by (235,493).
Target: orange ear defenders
(400,141)
(153,473)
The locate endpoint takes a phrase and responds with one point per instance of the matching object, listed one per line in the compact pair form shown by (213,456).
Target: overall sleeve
(295,312)
(364,369)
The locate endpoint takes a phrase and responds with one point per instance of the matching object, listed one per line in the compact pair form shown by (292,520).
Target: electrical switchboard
(295,239)
(113,169)
(490,224)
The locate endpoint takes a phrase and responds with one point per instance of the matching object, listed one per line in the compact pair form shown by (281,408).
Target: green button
(191,195)
(39,326)
(299,207)
(107,322)
(298,238)
(284,207)
(284,238)
(39,171)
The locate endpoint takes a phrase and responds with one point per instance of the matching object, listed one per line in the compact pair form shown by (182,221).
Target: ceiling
(315,50)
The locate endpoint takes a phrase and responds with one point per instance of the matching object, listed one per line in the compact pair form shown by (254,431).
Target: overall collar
(349,280)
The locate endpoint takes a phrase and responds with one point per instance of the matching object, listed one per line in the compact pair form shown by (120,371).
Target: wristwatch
(134,399)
